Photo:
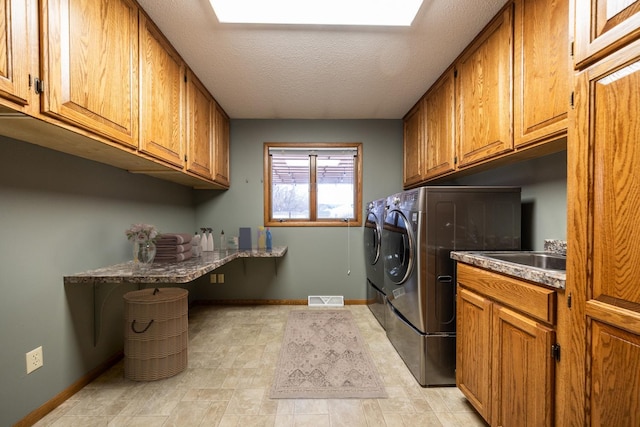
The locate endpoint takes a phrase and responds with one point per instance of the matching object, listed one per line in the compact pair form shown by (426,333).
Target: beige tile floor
(232,357)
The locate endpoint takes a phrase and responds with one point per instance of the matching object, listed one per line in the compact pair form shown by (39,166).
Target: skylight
(317,12)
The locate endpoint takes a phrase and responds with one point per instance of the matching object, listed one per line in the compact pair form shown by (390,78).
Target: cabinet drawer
(533,300)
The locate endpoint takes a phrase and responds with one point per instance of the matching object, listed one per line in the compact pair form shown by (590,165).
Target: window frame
(313,221)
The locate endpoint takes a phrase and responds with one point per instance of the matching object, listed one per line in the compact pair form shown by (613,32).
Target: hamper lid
(156,295)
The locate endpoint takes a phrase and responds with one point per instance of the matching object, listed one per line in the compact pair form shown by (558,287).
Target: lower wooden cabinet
(522,383)
(473,350)
(505,337)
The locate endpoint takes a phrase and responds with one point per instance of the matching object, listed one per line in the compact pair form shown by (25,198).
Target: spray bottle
(209,240)
(203,240)
(269,240)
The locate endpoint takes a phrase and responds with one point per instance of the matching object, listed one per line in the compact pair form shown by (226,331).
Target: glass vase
(144,252)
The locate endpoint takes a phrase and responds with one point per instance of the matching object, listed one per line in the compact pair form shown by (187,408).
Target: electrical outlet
(212,278)
(220,278)
(34,360)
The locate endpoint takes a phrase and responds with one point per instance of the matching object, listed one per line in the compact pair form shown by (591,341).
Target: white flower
(141,232)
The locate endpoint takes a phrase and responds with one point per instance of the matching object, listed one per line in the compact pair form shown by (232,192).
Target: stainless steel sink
(544,260)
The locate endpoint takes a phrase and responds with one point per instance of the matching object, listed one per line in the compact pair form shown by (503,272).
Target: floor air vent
(325,301)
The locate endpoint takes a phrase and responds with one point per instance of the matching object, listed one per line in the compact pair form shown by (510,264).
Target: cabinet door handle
(445,279)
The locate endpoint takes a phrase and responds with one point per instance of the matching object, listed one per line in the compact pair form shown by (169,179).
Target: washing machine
(374,217)
(421,228)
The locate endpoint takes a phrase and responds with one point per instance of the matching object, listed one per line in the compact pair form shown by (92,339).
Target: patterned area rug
(324,356)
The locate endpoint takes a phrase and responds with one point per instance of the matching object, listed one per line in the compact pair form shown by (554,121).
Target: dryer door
(399,252)
(372,239)
(398,247)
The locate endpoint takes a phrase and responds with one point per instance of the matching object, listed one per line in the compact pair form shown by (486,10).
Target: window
(312,184)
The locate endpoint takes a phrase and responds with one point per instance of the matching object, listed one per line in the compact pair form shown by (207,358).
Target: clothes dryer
(372,236)
(421,227)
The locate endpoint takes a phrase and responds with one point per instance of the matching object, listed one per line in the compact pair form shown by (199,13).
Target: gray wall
(60,215)
(319,258)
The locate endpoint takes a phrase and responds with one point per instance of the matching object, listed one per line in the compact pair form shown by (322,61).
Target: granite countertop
(551,278)
(169,272)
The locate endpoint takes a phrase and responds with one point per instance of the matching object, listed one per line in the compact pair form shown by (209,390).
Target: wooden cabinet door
(14,50)
(439,141)
(200,128)
(615,375)
(222,148)
(473,349)
(484,76)
(604,261)
(522,370)
(162,76)
(90,65)
(541,70)
(412,145)
(602,26)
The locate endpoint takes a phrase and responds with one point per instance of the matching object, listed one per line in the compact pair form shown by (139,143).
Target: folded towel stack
(173,247)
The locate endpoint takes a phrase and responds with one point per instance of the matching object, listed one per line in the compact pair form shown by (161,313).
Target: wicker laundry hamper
(156,333)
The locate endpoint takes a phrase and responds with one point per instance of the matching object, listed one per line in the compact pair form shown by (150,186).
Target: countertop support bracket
(99,301)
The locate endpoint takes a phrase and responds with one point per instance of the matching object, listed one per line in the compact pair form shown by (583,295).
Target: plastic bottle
(203,240)
(269,240)
(195,245)
(261,238)
(223,242)
(209,240)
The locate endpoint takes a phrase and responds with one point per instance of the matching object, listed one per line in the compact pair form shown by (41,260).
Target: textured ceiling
(289,72)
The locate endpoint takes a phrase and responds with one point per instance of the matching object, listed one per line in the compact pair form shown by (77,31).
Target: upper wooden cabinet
(15,50)
(484,76)
(162,92)
(542,77)
(603,268)
(439,123)
(90,65)
(98,80)
(413,145)
(221,148)
(602,26)
(200,128)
